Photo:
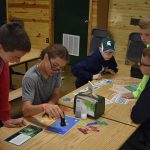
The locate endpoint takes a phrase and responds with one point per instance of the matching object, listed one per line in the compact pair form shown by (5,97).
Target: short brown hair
(14,37)
(145,22)
(57,50)
(146,52)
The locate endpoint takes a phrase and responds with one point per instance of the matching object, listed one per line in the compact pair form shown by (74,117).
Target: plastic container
(78,112)
(83,112)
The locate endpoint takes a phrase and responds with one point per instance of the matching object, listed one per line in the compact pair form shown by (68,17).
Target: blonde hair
(144,22)
(146,52)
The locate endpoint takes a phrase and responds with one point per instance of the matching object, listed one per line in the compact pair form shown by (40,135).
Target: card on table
(24,134)
(132,88)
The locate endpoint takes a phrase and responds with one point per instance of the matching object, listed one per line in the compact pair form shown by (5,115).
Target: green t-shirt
(141,87)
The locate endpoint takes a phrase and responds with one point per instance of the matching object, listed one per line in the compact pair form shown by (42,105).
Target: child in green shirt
(144,25)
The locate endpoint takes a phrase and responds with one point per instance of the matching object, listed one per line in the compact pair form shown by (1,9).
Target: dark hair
(145,22)
(14,37)
(57,50)
(146,52)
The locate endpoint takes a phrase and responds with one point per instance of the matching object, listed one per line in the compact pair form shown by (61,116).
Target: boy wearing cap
(140,113)
(92,67)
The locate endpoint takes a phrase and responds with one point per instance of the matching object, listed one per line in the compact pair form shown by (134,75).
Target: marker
(62,121)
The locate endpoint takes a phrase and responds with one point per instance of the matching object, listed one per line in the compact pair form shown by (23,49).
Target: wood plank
(120,13)
(36,18)
(28,1)
(33,54)
(28,13)
(38,34)
(15,94)
(26,5)
(102,13)
(110,137)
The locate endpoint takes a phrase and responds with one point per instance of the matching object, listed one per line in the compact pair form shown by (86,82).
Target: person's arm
(141,111)
(81,73)
(29,110)
(141,86)
(52,110)
(4,103)
(83,70)
(113,65)
(28,88)
(14,123)
(4,93)
(136,94)
(128,95)
(28,94)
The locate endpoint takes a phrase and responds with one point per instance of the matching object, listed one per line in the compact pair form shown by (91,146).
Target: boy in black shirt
(100,61)
(140,114)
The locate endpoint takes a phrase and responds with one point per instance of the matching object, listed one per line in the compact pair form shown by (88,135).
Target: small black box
(95,104)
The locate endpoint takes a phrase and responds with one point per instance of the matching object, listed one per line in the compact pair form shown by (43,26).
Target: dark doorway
(3,12)
(71,26)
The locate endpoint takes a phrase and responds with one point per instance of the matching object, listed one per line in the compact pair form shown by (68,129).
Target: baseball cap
(107,44)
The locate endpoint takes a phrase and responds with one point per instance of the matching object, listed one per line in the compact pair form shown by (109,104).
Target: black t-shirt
(141,112)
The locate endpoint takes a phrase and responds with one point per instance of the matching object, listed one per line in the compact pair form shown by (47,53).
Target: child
(92,67)
(140,114)
(144,25)
(41,83)
(14,43)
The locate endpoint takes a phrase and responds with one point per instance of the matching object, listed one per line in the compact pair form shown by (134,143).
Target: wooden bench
(15,94)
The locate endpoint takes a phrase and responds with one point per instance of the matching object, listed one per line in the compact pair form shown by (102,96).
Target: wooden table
(117,112)
(110,137)
(34,54)
(31,56)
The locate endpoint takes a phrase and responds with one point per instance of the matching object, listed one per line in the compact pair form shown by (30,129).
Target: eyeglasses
(55,67)
(141,64)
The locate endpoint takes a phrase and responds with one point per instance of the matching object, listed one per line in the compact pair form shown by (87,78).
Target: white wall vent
(72,43)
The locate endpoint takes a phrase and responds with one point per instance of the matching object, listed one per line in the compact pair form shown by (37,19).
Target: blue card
(70,122)
(67,99)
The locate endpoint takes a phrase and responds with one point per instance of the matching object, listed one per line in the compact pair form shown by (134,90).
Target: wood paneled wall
(38,19)
(120,14)
(94,14)
(37,16)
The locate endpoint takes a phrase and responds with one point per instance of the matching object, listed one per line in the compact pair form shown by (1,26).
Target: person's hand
(128,95)
(110,71)
(14,123)
(53,111)
(97,76)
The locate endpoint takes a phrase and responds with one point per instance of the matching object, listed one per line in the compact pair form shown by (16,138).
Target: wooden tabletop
(33,54)
(15,94)
(110,137)
(117,112)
